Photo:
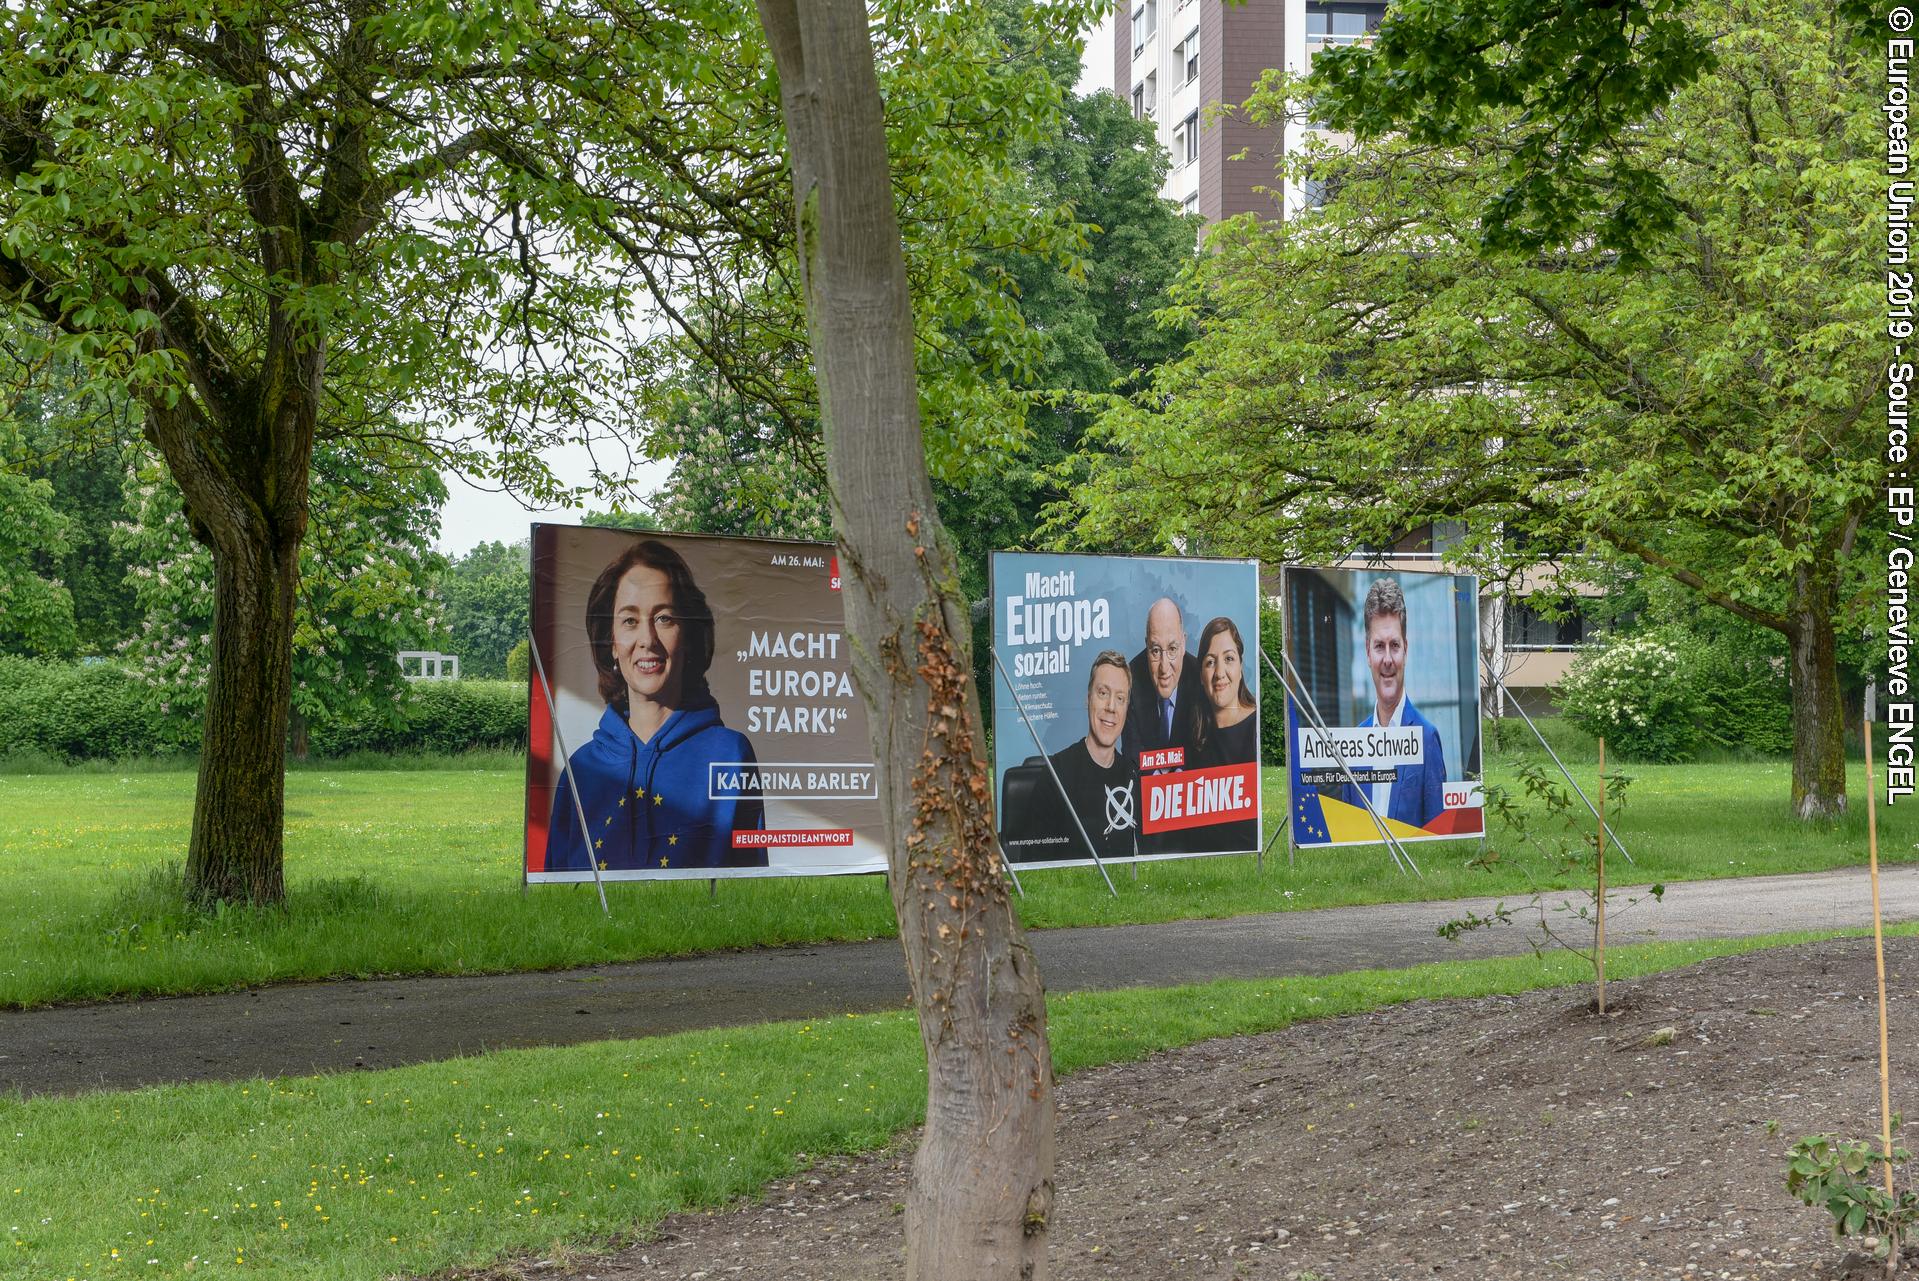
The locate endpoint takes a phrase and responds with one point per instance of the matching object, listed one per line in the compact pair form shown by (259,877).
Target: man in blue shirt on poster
(1416,793)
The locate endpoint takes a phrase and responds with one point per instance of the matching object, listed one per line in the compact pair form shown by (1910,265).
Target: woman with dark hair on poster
(643,778)
(1228,728)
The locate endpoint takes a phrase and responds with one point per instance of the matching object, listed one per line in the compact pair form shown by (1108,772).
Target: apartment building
(1172,59)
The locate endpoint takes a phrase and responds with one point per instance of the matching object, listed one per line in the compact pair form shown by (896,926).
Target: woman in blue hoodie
(644,777)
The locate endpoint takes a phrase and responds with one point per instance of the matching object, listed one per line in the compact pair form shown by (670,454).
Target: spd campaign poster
(1390,659)
(1131,727)
(707,722)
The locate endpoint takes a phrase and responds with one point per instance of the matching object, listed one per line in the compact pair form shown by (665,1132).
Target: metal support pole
(566,768)
(1007,863)
(1017,706)
(1297,688)
(1521,709)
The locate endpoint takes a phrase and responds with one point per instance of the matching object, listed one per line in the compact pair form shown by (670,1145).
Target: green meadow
(416,871)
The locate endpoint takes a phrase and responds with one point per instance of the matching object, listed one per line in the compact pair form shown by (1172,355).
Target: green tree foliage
(52,431)
(1569,82)
(741,469)
(1065,326)
(364,592)
(1367,369)
(487,594)
(1097,319)
(36,609)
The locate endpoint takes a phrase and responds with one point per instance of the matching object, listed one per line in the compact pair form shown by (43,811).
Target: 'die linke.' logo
(814,695)
(1050,615)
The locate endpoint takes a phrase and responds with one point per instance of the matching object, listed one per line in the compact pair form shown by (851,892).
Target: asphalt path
(303,1028)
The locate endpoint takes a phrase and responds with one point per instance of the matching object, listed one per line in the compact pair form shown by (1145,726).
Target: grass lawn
(406,872)
(421,1168)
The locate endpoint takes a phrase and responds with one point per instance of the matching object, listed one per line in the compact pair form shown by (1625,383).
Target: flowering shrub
(1641,694)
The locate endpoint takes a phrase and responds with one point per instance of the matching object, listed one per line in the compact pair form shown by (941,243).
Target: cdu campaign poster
(707,724)
(1131,725)
(1389,659)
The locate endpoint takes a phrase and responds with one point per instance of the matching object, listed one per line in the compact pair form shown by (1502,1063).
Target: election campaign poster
(704,721)
(1390,660)
(1126,723)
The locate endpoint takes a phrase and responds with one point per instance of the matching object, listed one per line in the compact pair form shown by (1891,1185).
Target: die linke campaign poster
(1131,728)
(1390,660)
(706,715)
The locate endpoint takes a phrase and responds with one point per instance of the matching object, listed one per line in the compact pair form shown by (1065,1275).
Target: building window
(1139,102)
(1190,204)
(1186,54)
(1341,23)
(1145,23)
(1152,93)
(1526,628)
(1186,140)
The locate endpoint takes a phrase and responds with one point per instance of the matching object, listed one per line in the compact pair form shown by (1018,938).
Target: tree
(1368,369)
(204,210)
(487,592)
(53,433)
(1570,80)
(982,1189)
(36,610)
(362,594)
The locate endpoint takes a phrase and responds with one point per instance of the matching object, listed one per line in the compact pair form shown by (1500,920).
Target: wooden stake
(1599,935)
(1879,957)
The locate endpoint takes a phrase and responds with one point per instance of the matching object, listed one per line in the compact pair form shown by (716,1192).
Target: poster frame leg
(1611,835)
(1297,688)
(1007,863)
(566,770)
(1034,734)
(1288,831)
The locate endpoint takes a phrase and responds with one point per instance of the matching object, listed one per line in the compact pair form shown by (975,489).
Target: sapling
(1840,1175)
(1545,819)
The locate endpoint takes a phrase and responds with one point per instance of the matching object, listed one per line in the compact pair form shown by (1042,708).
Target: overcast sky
(472,515)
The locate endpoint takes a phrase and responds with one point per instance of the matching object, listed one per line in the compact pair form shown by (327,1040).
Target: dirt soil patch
(1494,1139)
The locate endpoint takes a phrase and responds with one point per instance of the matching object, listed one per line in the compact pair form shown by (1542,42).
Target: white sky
(473,515)
(1096,66)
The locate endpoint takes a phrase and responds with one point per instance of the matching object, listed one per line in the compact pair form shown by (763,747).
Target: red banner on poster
(1200,798)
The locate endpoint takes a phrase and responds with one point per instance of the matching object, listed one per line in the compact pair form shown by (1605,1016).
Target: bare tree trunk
(1818,714)
(983,1178)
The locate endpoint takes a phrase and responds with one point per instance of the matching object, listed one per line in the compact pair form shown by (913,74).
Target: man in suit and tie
(1165,706)
(1416,795)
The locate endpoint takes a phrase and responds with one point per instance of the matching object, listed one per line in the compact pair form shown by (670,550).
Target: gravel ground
(1494,1139)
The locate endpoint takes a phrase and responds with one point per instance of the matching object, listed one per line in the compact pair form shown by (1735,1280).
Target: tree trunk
(1818,712)
(237,849)
(982,1188)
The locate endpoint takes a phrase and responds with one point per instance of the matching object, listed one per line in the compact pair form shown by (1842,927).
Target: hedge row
(77,711)
(99,711)
(440,716)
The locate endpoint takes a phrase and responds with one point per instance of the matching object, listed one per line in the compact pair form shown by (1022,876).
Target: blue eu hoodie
(646,803)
